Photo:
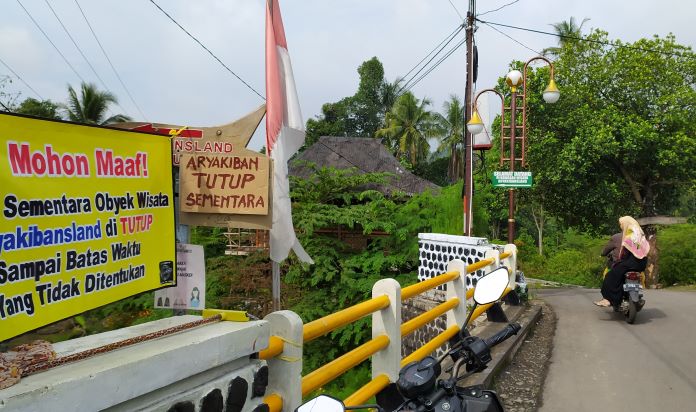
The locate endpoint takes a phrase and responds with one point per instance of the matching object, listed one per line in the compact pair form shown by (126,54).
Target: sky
(173,80)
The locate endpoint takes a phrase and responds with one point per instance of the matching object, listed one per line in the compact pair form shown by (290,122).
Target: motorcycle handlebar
(499,337)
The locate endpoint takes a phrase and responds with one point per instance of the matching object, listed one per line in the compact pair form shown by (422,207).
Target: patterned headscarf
(633,237)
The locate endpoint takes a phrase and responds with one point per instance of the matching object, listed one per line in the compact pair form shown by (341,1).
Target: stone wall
(414,307)
(208,368)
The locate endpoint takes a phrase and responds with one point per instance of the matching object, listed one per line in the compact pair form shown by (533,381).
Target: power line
(50,41)
(499,8)
(513,39)
(130,96)
(407,85)
(20,79)
(208,50)
(455,9)
(565,36)
(80,50)
(454,33)
(434,66)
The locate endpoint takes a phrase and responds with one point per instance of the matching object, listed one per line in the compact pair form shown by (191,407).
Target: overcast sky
(174,80)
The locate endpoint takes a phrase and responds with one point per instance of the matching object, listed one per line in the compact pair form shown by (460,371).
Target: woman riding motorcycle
(632,257)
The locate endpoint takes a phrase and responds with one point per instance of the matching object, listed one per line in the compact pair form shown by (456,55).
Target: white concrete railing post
(457,289)
(495,254)
(511,263)
(285,370)
(387,322)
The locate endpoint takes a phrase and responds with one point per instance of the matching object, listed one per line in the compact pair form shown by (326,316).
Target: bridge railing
(384,348)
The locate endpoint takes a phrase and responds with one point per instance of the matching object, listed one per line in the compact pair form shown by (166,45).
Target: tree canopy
(361,114)
(621,140)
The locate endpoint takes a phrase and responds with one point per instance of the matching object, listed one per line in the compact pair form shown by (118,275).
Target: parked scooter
(419,387)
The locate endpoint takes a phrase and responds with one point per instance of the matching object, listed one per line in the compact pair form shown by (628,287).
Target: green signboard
(512,179)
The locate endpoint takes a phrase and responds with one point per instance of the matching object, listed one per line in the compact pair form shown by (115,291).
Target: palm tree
(91,106)
(409,125)
(389,93)
(452,137)
(566,31)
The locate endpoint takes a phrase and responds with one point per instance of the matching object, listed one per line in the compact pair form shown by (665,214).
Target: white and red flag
(284,133)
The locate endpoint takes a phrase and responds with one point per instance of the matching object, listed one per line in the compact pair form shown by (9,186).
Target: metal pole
(468,157)
(511,192)
(275,268)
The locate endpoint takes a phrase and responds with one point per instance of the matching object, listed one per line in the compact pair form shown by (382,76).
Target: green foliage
(343,275)
(408,127)
(211,238)
(677,260)
(574,261)
(622,134)
(91,106)
(361,114)
(452,137)
(39,108)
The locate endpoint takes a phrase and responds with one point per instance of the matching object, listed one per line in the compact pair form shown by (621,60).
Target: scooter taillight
(633,276)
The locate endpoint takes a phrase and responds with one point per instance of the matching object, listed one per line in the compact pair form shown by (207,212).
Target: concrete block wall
(208,368)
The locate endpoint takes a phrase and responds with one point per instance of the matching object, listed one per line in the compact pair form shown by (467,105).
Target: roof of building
(367,155)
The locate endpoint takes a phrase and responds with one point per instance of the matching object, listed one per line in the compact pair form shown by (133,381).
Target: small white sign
(189,292)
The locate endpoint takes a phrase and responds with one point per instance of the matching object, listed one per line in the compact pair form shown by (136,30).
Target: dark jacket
(613,247)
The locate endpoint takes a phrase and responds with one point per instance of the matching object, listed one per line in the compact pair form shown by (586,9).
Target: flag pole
(275,268)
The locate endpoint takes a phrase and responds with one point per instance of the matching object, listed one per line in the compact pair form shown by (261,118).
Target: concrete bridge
(229,363)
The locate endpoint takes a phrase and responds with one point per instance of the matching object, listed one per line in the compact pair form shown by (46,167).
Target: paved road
(601,363)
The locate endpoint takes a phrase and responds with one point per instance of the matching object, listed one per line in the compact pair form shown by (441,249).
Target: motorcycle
(632,301)
(419,387)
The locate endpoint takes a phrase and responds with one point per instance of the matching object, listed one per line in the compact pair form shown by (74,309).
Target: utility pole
(467,196)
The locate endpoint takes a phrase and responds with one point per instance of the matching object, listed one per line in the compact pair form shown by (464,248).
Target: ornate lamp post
(514,80)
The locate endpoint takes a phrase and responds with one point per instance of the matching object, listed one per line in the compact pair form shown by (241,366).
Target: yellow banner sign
(87,219)
(224,184)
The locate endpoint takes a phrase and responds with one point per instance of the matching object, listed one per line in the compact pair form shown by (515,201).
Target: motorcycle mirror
(323,403)
(491,286)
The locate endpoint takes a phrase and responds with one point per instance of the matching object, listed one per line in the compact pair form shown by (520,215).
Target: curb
(502,353)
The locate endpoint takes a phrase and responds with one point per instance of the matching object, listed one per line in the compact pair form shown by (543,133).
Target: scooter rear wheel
(631,312)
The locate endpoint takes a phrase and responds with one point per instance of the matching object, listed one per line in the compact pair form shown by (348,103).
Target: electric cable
(436,64)
(82,53)
(499,8)
(50,41)
(109,60)
(455,9)
(407,85)
(513,39)
(208,50)
(20,79)
(564,36)
(454,33)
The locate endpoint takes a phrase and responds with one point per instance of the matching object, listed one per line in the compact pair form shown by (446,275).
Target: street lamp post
(514,80)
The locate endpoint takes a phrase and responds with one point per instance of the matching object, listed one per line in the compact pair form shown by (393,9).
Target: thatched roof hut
(367,155)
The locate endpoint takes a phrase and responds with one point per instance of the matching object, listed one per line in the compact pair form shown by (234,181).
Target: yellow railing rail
(369,390)
(340,365)
(420,320)
(322,326)
(275,348)
(274,402)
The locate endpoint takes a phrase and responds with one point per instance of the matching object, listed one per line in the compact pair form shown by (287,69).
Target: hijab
(633,237)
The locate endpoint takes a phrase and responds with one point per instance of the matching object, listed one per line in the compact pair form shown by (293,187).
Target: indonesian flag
(284,133)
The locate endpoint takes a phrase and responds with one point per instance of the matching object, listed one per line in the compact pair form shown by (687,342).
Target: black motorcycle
(419,387)
(632,301)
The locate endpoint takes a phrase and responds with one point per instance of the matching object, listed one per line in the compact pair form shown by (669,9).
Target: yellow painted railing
(342,364)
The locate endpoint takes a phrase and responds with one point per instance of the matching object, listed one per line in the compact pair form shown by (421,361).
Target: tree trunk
(539,223)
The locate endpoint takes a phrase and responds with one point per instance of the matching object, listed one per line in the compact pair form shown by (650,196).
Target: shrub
(676,261)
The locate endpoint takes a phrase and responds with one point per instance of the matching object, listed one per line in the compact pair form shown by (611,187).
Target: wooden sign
(224,184)
(227,140)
